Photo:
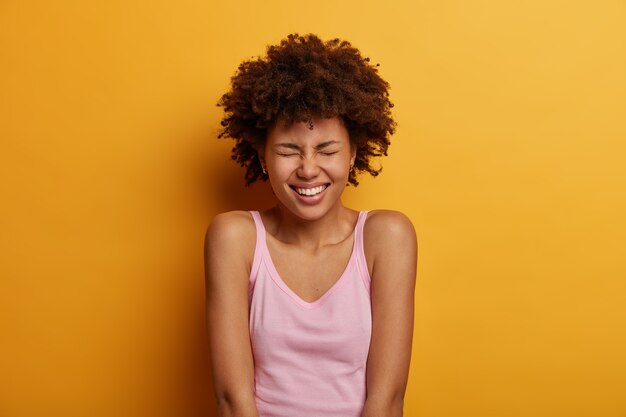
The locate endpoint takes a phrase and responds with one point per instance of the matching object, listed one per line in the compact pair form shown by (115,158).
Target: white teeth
(311,191)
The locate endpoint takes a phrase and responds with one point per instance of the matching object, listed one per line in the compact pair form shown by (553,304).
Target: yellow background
(509,158)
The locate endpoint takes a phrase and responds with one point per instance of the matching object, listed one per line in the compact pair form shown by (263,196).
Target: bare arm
(229,245)
(393,246)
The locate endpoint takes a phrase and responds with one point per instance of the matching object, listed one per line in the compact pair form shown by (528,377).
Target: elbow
(235,405)
(388,405)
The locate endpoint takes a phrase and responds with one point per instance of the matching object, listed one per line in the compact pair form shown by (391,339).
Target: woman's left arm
(391,244)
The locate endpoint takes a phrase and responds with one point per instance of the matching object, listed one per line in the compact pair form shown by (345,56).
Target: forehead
(324,130)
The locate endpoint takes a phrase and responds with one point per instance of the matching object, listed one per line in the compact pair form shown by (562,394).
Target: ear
(260,152)
(352,153)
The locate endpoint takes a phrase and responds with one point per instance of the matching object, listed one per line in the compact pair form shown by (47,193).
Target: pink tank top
(309,358)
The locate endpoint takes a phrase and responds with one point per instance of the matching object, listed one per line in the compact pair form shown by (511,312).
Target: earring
(261,162)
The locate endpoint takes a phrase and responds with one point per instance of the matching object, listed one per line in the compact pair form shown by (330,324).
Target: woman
(309,303)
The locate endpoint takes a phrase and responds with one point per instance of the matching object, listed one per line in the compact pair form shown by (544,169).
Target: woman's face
(308,168)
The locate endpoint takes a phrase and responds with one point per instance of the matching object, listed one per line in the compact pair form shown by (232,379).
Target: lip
(309,199)
(308,184)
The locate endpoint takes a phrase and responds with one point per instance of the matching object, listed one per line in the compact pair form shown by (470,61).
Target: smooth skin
(301,232)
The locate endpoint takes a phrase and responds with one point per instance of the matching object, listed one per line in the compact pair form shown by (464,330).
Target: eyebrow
(317,147)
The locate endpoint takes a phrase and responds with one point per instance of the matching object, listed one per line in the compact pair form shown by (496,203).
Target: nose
(308,168)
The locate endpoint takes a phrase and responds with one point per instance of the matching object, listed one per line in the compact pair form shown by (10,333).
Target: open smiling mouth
(309,192)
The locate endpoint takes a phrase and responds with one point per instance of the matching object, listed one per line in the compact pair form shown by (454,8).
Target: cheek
(280,172)
(283,167)
(337,167)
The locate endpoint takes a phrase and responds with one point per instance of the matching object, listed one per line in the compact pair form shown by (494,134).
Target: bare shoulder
(231,224)
(231,235)
(388,225)
(388,237)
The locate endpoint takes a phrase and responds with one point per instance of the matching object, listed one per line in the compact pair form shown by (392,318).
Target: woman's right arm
(228,250)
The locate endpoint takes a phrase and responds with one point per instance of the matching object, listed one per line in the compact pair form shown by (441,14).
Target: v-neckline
(269,262)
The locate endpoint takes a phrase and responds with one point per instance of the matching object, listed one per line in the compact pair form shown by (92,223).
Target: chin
(309,213)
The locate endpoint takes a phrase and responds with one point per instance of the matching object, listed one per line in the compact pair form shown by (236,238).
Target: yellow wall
(509,159)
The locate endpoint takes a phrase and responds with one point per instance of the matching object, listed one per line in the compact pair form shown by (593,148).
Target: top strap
(360,251)
(258,249)
(260,228)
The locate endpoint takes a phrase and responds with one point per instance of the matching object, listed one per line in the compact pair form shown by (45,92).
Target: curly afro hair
(299,79)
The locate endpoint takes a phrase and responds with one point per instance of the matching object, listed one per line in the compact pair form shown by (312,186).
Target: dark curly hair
(300,78)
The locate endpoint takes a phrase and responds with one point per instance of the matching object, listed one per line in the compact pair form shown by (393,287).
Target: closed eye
(288,154)
(328,153)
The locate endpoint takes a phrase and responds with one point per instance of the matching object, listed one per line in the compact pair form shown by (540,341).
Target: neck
(329,229)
